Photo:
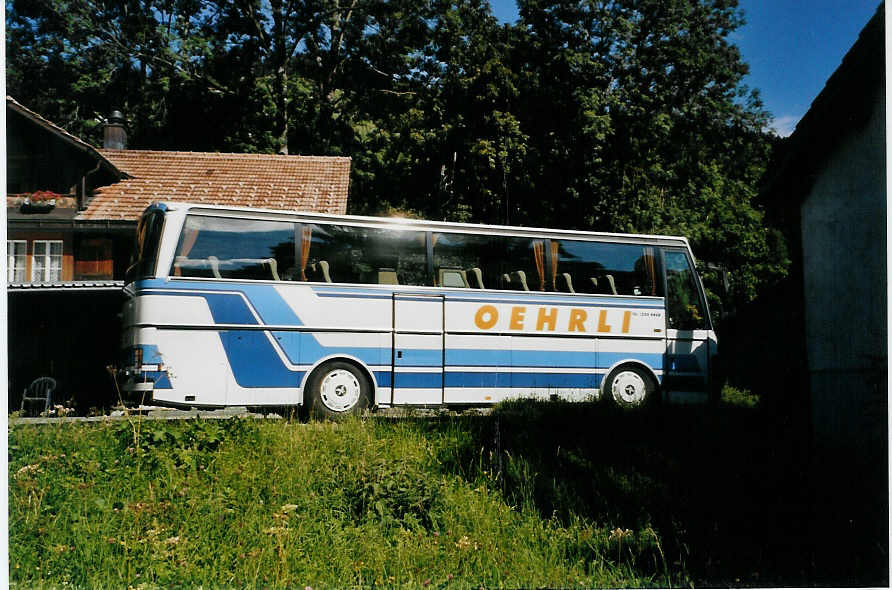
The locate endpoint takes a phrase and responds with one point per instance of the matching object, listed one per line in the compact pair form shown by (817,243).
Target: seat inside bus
(387,276)
(475,278)
(192,267)
(452,277)
(517,280)
(319,272)
(607,284)
(565,282)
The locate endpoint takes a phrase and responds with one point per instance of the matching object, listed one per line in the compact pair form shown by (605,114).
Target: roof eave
(68,138)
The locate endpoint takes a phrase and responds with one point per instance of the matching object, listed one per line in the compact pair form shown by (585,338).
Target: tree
(650,128)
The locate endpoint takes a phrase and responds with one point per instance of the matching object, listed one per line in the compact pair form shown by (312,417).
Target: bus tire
(629,387)
(336,389)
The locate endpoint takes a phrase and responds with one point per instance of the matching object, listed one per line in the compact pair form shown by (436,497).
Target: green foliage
(392,493)
(535,494)
(739,397)
(282,505)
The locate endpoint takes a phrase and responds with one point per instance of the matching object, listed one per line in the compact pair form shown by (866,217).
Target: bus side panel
(477,368)
(355,323)
(197,367)
(552,366)
(648,351)
(500,346)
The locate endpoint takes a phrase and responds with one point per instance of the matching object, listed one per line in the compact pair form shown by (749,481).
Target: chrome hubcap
(340,390)
(629,388)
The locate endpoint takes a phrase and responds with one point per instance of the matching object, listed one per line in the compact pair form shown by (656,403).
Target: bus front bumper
(138,384)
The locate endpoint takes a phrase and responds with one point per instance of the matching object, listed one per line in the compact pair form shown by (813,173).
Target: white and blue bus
(245,307)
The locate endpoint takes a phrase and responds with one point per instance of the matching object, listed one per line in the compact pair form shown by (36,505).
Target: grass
(534,495)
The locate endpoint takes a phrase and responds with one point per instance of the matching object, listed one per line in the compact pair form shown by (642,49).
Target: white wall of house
(844,263)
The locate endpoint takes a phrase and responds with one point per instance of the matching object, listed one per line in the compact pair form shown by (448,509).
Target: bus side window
(467,260)
(684,306)
(228,248)
(605,268)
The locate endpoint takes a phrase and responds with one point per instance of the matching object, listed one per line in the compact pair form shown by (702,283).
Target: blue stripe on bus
(418,380)
(254,361)
(302,348)
(384,378)
(545,358)
(495,379)
(652,359)
(478,357)
(556,380)
(269,305)
(160,379)
(150,354)
(229,309)
(419,358)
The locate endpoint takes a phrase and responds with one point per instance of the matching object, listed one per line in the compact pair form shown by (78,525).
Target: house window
(47,266)
(16,261)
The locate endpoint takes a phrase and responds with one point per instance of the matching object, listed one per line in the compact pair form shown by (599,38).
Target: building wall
(71,336)
(844,264)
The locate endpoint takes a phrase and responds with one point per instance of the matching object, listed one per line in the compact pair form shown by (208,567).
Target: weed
(742,398)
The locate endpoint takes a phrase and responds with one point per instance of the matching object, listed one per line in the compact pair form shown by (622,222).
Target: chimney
(115,137)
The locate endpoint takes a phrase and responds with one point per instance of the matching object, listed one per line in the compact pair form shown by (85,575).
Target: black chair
(40,390)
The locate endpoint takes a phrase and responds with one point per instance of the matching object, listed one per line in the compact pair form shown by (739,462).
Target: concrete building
(834,183)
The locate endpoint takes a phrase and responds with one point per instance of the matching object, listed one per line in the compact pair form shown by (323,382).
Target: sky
(791,46)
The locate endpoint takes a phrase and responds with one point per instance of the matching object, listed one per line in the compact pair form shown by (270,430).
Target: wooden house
(72,212)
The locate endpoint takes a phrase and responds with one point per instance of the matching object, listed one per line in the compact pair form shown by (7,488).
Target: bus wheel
(336,389)
(629,387)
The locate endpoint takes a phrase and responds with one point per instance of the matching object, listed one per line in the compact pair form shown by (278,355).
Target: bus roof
(407,223)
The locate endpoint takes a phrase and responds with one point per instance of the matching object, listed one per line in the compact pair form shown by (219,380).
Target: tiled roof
(302,183)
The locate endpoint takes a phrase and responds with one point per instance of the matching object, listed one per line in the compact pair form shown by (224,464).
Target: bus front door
(417,349)
(688,337)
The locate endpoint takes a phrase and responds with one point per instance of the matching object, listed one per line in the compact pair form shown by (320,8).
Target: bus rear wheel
(336,389)
(629,387)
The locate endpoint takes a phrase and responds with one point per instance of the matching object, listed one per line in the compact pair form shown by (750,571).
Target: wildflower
(288,508)
(62,410)
(172,540)
(618,534)
(27,470)
(463,543)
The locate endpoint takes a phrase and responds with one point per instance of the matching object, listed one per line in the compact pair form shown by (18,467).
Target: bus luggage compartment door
(417,349)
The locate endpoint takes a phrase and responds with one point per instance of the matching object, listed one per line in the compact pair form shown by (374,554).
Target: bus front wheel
(336,389)
(629,387)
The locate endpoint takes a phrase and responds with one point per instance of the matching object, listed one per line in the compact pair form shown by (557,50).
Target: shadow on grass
(728,489)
